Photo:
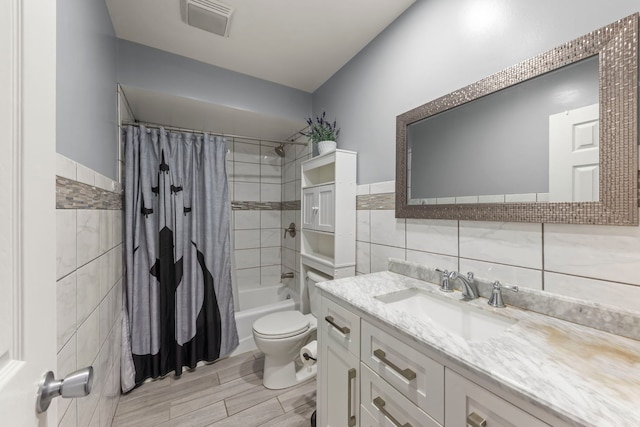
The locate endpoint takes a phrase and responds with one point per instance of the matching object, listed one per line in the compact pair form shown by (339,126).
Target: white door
(309,208)
(27,207)
(325,202)
(574,167)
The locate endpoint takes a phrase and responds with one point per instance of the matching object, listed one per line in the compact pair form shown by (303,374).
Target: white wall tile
(431,260)
(70,417)
(245,152)
(383,187)
(88,289)
(271,174)
(268,154)
(88,337)
(87,408)
(247,172)
(363,226)
(270,275)
(248,278)
(600,252)
(289,171)
(247,239)
(518,244)
(103,182)
(270,237)
(85,175)
(247,191)
(289,259)
(247,258)
(363,257)
(270,256)
(386,229)
(289,191)
(65,241)
(380,256)
(608,293)
(270,192)
(525,277)
(106,230)
(432,235)
(65,167)
(66,308)
(363,189)
(88,235)
(117,217)
(272,219)
(66,364)
(298,168)
(246,220)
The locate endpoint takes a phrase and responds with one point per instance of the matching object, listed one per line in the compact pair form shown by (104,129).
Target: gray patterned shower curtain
(178,303)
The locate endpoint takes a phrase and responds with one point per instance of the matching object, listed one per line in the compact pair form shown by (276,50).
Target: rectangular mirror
(552,139)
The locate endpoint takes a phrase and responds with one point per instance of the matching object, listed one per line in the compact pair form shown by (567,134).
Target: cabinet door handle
(379,403)
(407,373)
(342,329)
(351,419)
(475,420)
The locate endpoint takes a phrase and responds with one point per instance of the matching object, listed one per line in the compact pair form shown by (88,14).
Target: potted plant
(322,132)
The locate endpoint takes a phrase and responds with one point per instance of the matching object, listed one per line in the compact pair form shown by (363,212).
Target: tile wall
(89,293)
(260,181)
(291,187)
(597,263)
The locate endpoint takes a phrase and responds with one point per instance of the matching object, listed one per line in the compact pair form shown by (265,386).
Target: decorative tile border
(72,194)
(608,319)
(383,201)
(239,205)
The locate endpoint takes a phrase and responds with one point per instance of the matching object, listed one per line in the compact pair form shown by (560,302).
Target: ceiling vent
(209,15)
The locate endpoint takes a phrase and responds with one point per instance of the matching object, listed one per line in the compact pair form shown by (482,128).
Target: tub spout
(288,275)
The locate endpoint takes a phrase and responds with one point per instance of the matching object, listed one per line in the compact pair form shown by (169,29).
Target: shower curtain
(178,303)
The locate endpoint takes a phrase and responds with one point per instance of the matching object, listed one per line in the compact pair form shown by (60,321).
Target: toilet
(280,336)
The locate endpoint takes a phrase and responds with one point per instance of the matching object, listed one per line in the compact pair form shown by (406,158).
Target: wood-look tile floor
(228,393)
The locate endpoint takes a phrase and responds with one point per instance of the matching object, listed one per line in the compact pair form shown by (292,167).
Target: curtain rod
(158,126)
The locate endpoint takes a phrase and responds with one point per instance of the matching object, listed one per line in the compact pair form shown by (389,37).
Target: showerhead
(280,150)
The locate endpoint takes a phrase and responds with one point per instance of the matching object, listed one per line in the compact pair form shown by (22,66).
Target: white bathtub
(255,303)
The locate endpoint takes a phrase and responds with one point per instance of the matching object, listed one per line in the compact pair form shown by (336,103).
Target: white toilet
(280,336)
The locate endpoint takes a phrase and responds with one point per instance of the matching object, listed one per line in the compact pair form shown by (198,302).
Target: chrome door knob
(76,384)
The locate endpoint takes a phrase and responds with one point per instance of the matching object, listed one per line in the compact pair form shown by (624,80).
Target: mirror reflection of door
(574,155)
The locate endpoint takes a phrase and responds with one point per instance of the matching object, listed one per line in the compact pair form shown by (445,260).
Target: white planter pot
(325,147)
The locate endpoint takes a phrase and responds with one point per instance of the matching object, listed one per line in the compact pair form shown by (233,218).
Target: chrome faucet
(445,286)
(469,288)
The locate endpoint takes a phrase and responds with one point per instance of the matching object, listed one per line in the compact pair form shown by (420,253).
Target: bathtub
(255,303)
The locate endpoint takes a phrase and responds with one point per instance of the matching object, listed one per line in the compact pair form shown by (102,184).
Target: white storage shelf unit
(329,214)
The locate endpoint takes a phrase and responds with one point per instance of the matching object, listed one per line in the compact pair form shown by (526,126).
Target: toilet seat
(283,324)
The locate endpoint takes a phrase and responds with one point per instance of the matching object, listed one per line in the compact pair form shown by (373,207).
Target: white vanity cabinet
(339,366)
(328,208)
(370,376)
(469,404)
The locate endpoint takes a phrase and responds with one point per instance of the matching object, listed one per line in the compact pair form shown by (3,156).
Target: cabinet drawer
(343,327)
(465,399)
(412,373)
(387,406)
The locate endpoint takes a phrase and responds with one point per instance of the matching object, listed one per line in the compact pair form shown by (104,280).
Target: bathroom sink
(458,317)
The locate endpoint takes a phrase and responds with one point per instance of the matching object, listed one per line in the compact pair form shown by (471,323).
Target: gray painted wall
(159,71)
(86,100)
(498,144)
(438,46)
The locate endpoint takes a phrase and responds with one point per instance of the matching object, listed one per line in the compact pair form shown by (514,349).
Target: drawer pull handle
(408,374)
(379,403)
(475,420)
(342,329)
(351,419)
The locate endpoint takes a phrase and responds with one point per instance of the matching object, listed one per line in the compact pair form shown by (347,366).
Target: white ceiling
(296,43)
(169,110)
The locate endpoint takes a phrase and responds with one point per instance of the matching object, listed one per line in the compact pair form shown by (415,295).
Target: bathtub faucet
(288,275)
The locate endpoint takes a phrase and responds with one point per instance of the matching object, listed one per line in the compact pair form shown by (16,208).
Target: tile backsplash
(592,262)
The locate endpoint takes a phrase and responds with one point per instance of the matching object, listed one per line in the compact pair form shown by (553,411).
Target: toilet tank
(314,296)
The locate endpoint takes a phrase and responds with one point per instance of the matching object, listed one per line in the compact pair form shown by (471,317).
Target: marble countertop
(582,376)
